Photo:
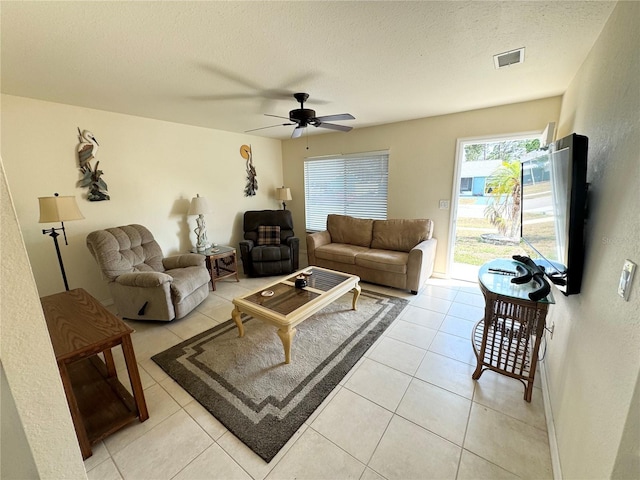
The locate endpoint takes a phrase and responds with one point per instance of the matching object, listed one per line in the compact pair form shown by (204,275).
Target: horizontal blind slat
(354,185)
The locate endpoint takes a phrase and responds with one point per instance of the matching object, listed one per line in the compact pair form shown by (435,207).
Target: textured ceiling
(224,64)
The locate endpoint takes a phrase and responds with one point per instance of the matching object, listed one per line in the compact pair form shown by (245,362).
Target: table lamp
(58,209)
(283,194)
(199,206)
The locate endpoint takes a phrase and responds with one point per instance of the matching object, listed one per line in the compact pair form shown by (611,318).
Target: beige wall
(15,445)
(593,361)
(37,431)
(152,168)
(421,158)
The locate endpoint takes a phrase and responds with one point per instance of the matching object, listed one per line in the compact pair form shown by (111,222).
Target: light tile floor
(407,410)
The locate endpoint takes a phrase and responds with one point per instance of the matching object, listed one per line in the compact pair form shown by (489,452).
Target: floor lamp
(58,209)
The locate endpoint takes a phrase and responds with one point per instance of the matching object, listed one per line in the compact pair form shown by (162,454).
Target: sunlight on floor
(464,271)
(408,409)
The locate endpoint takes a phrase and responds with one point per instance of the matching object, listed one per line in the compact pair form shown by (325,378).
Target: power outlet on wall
(624,287)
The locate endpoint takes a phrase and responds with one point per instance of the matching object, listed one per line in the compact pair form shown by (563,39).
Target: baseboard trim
(107,303)
(551,430)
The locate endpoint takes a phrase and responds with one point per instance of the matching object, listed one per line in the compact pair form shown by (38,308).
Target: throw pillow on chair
(268,235)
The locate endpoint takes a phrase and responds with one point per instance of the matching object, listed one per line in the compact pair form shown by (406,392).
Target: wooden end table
(222,263)
(80,328)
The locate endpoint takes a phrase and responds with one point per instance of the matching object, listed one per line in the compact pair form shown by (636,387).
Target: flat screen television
(553,210)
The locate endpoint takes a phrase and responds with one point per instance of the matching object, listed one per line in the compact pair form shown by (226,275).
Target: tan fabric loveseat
(397,253)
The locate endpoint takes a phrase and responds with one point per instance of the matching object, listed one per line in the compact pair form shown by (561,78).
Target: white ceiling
(224,64)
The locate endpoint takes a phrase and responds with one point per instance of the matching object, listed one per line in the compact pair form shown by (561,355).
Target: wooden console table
(80,328)
(508,338)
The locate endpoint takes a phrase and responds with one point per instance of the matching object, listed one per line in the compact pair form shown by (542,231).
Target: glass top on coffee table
(286,297)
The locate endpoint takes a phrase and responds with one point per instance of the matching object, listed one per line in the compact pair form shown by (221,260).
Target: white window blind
(354,185)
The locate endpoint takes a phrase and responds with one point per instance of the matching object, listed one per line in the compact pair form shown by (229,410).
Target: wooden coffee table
(285,306)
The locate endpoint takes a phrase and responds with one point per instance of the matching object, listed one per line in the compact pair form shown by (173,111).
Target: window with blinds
(354,185)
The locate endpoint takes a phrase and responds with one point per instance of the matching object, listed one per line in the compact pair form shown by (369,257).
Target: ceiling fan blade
(270,126)
(230,75)
(297,132)
(277,116)
(333,118)
(333,126)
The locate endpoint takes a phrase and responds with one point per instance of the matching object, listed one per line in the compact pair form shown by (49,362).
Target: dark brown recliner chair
(269,247)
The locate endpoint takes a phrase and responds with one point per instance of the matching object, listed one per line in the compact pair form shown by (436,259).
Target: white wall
(593,361)
(421,160)
(152,168)
(37,431)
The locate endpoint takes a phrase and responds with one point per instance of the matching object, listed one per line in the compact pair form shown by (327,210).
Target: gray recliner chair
(144,285)
(269,247)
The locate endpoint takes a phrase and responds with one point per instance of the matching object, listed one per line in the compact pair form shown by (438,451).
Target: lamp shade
(58,209)
(199,206)
(283,193)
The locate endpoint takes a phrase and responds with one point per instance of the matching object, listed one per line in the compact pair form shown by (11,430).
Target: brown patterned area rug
(245,383)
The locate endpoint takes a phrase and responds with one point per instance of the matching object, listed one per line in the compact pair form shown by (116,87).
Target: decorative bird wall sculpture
(252,179)
(88,147)
(87,150)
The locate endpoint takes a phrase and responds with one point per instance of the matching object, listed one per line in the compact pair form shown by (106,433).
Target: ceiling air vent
(507,59)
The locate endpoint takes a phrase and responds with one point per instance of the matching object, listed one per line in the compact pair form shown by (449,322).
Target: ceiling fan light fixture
(303,117)
(302,114)
(297,132)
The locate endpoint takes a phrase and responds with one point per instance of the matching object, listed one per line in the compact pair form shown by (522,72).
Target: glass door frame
(455,190)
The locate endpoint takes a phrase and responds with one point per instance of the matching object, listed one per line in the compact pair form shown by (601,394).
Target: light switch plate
(624,287)
(443,204)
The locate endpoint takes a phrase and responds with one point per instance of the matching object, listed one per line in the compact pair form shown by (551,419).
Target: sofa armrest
(143,279)
(182,261)
(294,246)
(245,248)
(315,240)
(420,265)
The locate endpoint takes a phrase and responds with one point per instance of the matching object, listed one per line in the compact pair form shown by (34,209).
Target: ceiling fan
(303,117)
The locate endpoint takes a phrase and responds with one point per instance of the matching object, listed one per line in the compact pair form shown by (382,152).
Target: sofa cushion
(385,260)
(350,230)
(268,235)
(340,252)
(400,234)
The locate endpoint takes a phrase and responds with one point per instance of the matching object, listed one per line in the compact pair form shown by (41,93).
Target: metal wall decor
(252,181)
(87,150)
